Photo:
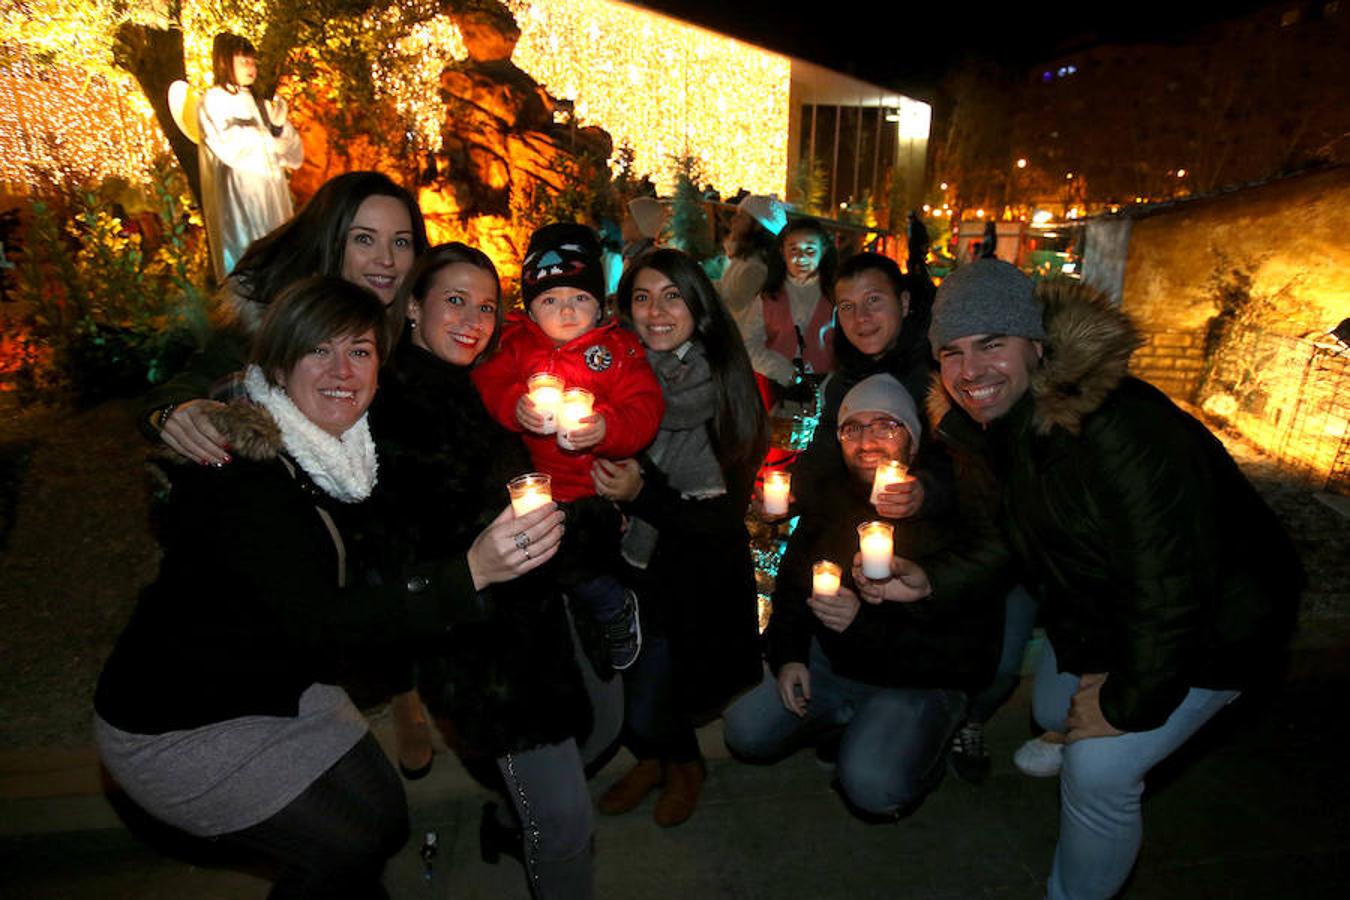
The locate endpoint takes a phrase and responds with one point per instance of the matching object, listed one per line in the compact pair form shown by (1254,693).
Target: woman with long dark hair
(686,545)
(360,226)
(514,698)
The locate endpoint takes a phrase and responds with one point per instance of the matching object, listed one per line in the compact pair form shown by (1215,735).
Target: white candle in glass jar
(825,577)
(529,492)
(577,404)
(877,543)
(892,471)
(777,486)
(545,392)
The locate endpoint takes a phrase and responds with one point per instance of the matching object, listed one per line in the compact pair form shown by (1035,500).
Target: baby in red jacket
(564,332)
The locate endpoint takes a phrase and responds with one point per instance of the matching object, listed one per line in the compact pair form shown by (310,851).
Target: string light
(664,88)
(73,125)
(659,86)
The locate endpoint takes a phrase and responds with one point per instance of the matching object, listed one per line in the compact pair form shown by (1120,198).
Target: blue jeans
(1100,823)
(1019,620)
(894,739)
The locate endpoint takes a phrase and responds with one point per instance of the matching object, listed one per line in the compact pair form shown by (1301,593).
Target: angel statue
(245,148)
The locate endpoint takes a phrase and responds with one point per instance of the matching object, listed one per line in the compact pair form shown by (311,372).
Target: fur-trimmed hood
(249,429)
(1088,346)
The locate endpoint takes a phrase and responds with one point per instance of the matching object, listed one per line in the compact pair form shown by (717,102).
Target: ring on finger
(526,551)
(522,541)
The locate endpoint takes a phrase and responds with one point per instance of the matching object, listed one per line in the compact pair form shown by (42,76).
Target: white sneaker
(1039,758)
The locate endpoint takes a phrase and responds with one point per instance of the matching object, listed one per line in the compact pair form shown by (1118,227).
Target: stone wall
(1290,235)
(1172,361)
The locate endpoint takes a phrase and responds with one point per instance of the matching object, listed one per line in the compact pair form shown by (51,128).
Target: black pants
(333,840)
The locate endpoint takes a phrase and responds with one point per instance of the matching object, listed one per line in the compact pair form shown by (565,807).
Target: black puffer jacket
(1160,563)
(509,682)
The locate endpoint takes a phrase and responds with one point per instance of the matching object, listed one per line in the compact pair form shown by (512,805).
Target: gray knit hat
(883,394)
(987,296)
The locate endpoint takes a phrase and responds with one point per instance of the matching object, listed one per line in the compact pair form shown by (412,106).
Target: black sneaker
(623,634)
(970,760)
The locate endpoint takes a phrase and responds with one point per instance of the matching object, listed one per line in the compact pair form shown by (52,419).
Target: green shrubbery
(111,300)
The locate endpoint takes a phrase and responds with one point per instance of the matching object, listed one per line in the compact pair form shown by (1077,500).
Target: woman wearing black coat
(686,543)
(510,693)
(218,711)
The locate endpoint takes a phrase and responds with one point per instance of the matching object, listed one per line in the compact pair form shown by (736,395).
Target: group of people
(338,525)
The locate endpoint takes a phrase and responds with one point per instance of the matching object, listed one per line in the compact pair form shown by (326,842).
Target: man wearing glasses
(888,681)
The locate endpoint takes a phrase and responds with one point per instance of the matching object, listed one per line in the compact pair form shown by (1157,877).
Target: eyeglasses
(881,429)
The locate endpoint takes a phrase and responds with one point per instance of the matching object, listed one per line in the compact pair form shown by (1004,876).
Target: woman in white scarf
(218,711)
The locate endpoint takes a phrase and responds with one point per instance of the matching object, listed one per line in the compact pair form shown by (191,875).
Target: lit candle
(577,404)
(877,544)
(546,390)
(825,578)
(890,472)
(777,484)
(529,492)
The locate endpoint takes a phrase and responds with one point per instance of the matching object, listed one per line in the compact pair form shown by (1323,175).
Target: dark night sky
(908,45)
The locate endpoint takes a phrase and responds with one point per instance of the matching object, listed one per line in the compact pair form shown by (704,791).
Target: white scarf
(344,467)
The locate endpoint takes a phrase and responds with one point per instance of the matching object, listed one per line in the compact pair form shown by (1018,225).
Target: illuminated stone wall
(1293,232)
(1280,383)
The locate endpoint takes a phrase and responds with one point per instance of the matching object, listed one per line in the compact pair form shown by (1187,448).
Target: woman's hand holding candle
(513,545)
(908,582)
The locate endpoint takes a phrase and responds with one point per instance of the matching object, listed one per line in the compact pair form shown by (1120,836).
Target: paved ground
(1260,808)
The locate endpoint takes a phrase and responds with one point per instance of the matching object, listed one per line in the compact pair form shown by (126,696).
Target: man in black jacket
(890,679)
(1167,581)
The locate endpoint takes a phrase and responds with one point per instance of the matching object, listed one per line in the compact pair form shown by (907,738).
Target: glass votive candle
(577,404)
(529,492)
(777,486)
(825,577)
(545,391)
(876,541)
(892,471)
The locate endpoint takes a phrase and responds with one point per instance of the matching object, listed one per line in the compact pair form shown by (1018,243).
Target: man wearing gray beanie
(1167,584)
(893,679)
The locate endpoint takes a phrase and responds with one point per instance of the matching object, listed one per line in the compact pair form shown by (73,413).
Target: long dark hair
(913,336)
(417,282)
(740,428)
(829,256)
(313,240)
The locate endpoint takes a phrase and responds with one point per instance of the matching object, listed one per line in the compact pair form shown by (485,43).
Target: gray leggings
(547,789)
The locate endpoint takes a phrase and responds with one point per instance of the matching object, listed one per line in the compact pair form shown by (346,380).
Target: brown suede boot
(630,790)
(412,735)
(684,782)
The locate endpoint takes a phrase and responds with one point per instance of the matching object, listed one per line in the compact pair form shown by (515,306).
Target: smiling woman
(360,226)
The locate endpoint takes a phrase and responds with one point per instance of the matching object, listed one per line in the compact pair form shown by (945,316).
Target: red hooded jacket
(607,361)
